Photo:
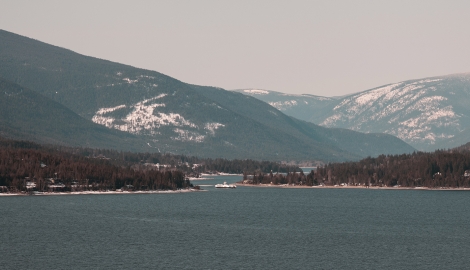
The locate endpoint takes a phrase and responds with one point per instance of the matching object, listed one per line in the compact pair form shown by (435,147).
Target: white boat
(225,185)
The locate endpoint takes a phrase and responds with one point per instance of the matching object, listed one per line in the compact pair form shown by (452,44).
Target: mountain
(176,117)
(27,115)
(298,106)
(427,113)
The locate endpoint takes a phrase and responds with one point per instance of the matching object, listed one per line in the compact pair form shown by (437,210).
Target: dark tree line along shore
(67,169)
(438,169)
(447,169)
(30,166)
(189,165)
(66,172)
(291,178)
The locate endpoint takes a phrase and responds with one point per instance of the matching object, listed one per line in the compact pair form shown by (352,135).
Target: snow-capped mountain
(298,106)
(427,113)
(28,115)
(424,113)
(168,115)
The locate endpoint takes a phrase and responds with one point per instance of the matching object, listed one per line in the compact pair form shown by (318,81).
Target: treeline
(75,168)
(462,148)
(438,169)
(447,169)
(238,166)
(67,172)
(188,165)
(292,178)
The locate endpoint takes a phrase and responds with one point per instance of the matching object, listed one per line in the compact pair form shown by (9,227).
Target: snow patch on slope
(129,81)
(283,105)
(211,127)
(194,136)
(187,136)
(143,118)
(108,110)
(410,107)
(256,91)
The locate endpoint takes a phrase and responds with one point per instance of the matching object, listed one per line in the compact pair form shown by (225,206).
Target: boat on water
(225,185)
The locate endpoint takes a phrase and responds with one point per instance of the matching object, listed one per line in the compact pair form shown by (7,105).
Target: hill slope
(27,115)
(427,113)
(298,106)
(172,116)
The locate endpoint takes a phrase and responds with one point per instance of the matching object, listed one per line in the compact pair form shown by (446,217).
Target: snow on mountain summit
(425,113)
(256,91)
(419,112)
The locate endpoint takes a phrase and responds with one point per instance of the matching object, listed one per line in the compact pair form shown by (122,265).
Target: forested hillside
(101,169)
(162,114)
(428,113)
(27,115)
(441,169)
(190,165)
(46,171)
(438,169)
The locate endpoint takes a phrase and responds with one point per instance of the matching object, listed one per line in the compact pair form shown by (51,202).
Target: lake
(242,228)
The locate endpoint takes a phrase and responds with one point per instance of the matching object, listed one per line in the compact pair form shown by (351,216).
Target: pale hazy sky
(326,48)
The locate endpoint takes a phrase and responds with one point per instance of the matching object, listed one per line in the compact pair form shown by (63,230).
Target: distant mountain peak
(256,91)
(414,111)
(427,113)
(156,112)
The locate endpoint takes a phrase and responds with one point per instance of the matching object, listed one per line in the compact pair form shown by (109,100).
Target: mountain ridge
(169,115)
(428,113)
(26,115)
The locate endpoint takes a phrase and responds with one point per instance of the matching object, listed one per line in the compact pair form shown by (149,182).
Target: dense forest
(446,169)
(66,169)
(27,166)
(438,169)
(31,169)
(291,178)
(192,166)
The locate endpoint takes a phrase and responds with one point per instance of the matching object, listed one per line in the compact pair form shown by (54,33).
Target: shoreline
(221,174)
(205,176)
(198,179)
(350,187)
(100,192)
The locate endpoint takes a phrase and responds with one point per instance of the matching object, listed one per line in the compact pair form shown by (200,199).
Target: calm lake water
(242,228)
